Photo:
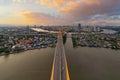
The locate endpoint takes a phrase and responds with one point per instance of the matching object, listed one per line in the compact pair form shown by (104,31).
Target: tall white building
(91,29)
(96,29)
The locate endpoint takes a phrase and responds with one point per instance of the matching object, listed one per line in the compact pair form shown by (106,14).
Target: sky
(60,12)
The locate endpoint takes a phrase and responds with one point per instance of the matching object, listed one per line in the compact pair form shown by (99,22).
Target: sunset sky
(60,12)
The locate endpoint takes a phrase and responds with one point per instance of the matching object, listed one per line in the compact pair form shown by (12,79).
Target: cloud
(41,18)
(102,20)
(84,11)
(87,8)
(75,11)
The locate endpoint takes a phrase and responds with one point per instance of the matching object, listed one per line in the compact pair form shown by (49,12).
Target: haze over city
(60,12)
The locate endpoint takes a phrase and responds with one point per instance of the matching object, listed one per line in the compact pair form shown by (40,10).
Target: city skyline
(60,12)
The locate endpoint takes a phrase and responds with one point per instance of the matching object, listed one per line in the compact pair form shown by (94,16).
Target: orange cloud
(44,2)
(41,19)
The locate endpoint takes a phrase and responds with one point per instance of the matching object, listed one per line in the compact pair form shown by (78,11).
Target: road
(60,69)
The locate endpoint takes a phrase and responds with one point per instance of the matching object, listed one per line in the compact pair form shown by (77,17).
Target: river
(107,31)
(83,63)
(92,63)
(28,65)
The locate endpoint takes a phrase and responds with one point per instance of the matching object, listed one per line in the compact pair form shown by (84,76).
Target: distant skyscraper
(79,27)
(35,26)
(96,29)
(28,29)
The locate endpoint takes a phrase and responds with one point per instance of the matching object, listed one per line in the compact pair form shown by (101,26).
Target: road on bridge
(60,68)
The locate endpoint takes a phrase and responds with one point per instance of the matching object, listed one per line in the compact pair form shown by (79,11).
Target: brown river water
(92,63)
(28,65)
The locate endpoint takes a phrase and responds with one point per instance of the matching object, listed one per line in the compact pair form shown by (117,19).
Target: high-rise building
(96,29)
(28,29)
(79,27)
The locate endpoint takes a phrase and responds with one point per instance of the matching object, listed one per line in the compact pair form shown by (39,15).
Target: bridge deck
(60,68)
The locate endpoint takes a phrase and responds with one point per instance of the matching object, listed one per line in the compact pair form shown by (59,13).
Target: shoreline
(3,54)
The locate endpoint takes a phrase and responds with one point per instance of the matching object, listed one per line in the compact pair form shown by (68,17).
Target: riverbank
(97,41)
(16,52)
